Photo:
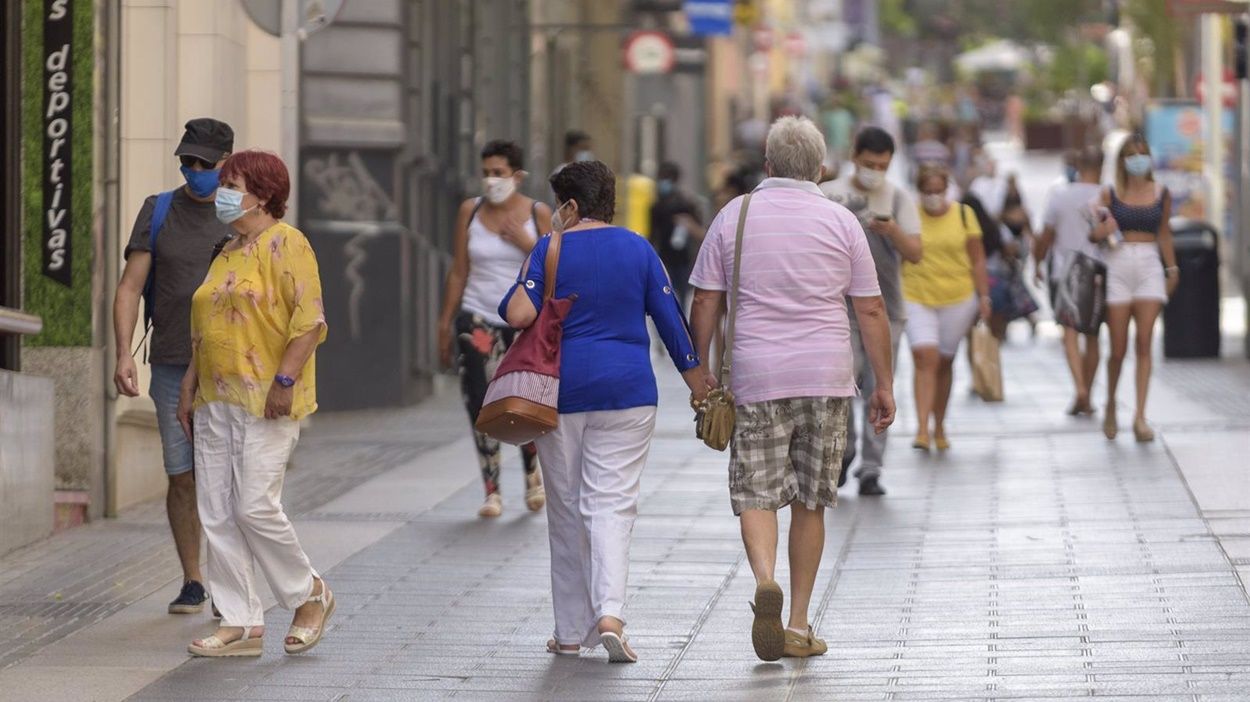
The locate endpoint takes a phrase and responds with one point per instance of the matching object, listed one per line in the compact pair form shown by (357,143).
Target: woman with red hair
(255,324)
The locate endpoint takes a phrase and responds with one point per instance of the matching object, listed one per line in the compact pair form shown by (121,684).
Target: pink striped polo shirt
(802,254)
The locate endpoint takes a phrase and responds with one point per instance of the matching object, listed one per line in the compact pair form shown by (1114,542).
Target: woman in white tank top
(494,235)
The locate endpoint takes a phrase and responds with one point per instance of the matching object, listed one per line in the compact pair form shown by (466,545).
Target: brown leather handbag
(715,416)
(521,402)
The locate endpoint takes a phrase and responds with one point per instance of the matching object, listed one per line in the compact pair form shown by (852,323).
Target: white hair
(795,149)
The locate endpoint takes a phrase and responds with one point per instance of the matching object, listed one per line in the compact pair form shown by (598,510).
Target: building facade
(381,115)
(96,93)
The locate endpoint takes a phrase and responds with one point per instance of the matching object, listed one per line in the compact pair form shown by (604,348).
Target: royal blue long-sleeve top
(605,357)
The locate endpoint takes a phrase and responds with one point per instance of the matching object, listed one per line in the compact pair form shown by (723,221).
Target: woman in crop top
(494,235)
(1135,232)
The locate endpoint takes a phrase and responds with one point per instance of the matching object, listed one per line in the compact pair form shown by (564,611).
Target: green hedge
(66,311)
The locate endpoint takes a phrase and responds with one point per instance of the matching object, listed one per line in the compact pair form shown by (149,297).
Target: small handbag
(987,368)
(521,402)
(1078,288)
(715,416)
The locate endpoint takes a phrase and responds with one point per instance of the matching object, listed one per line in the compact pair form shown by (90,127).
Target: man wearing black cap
(167,258)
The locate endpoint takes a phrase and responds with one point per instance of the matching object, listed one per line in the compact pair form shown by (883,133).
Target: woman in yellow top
(255,323)
(945,292)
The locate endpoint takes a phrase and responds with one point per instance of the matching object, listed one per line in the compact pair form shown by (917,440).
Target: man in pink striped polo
(793,371)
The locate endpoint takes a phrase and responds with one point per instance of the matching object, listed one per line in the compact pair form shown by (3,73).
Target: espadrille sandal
(311,636)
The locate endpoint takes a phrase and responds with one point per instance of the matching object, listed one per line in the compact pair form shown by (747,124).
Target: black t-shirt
(184,249)
(663,223)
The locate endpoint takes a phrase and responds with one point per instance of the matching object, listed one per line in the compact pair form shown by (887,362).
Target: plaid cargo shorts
(787,450)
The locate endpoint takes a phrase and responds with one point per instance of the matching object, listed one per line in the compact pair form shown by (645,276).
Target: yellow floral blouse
(253,302)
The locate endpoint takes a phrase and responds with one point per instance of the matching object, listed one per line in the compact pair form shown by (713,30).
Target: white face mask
(498,189)
(869,178)
(557,220)
(933,201)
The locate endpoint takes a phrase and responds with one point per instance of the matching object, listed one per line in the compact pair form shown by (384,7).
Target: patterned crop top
(1138,218)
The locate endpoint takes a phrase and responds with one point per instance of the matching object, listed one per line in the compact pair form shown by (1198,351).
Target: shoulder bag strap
(159,212)
(727,354)
(551,266)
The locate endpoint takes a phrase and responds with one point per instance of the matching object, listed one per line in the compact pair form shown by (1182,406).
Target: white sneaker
(492,507)
(535,495)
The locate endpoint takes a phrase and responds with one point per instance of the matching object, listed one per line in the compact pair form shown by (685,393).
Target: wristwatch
(285,381)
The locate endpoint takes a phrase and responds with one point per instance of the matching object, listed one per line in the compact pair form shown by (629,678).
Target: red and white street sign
(649,52)
(1228,89)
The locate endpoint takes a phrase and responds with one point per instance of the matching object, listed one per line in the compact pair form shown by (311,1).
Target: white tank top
(494,265)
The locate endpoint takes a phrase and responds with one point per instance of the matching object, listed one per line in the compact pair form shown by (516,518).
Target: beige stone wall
(79,448)
(26,459)
(180,59)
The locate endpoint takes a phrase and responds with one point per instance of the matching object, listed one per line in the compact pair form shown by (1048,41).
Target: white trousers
(240,461)
(592,465)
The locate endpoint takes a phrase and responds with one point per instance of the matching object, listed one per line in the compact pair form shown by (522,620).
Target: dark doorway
(10,219)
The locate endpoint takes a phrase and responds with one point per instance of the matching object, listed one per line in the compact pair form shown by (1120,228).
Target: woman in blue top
(593,462)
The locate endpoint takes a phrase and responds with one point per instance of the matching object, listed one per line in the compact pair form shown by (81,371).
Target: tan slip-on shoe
(767,632)
(804,645)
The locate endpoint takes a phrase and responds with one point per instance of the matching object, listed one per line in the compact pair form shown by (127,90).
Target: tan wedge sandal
(214,647)
(311,636)
(617,646)
(553,647)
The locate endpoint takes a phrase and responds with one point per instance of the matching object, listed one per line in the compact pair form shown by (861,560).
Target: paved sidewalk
(1035,560)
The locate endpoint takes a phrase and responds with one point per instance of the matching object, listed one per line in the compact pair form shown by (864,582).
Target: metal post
(111,151)
(290,101)
(1213,112)
(1242,235)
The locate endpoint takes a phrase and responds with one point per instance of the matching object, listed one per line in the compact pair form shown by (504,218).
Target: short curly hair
(591,184)
(507,149)
(265,175)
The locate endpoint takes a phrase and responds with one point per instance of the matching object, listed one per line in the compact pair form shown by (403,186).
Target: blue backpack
(159,213)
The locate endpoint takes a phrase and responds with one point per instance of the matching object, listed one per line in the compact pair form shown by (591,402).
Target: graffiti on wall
(343,185)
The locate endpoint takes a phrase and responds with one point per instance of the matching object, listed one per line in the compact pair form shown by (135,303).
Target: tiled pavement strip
(61,585)
(1035,561)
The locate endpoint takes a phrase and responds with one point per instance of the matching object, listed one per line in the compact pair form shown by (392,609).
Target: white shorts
(1135,272)
(943,327)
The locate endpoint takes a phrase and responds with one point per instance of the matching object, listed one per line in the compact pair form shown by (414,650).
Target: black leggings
(481,347)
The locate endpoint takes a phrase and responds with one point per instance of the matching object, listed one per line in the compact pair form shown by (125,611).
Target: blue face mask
(665,188)
(1070,173)
(202,183)
(229,205)
(1137,164)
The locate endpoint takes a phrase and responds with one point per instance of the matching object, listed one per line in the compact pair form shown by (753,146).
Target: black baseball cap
(206,138)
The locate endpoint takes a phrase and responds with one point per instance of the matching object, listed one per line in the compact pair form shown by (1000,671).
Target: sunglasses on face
(191,161)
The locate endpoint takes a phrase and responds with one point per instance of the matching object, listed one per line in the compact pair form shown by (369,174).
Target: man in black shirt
(676,228)
(167,258)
